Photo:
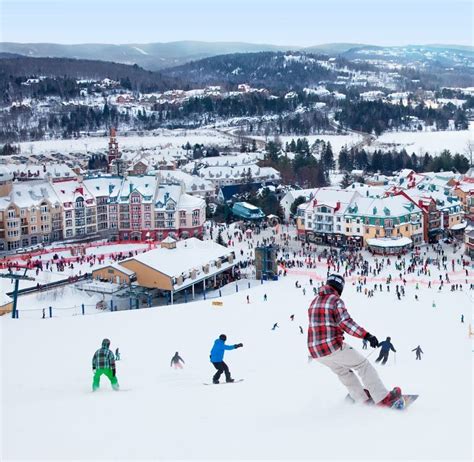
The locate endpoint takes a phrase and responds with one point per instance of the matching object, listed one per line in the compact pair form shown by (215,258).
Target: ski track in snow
(285,409)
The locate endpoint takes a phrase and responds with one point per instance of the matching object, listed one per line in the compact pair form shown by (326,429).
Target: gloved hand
(239,345)
(374,343)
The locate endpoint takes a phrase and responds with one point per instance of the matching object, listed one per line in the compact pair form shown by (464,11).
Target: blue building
(247,211)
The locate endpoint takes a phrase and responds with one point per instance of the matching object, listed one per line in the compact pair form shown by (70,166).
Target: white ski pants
(344,363)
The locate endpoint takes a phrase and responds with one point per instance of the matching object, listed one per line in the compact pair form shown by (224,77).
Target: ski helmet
(336,281)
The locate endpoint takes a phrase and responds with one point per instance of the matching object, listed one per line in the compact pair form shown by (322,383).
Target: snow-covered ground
(286,408)
(431,142)
(163,138)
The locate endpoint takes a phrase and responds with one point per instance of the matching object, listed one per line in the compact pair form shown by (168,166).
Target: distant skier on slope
(217,358)
(328,320)
(176,361)
(385,346)
(418,352)
(103,362)
(117,354)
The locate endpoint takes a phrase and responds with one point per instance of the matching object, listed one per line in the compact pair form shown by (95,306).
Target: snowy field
(286,409)
(163,138)
(432,142)
(169,141)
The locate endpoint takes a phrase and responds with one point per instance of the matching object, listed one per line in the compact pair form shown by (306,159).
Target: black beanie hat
(336,281)
(223,337)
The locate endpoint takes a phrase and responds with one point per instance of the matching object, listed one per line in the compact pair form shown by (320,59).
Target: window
(348,230)
(358,230)
(11,214)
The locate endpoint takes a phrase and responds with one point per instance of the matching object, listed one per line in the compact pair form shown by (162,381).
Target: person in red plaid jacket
(328,320)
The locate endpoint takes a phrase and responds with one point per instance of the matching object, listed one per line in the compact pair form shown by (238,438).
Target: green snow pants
(109,374)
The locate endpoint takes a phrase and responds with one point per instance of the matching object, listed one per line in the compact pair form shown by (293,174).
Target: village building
(190,265)
(388,217)
(114,273)
(6,304)
(289,198)
(79,209)
(30,213)
(321,219)
(246,211)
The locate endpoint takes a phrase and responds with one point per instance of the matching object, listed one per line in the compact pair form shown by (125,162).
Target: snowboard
(400,405)
(224,383)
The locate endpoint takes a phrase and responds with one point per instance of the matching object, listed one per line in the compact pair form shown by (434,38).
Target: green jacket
(103,358)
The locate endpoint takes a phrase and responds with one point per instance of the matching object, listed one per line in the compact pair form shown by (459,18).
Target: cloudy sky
(281,22)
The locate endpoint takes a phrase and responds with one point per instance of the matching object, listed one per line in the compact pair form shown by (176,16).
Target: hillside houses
(130,208)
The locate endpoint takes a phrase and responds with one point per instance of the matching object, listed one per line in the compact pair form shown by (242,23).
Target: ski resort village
(162,251)
(218,250)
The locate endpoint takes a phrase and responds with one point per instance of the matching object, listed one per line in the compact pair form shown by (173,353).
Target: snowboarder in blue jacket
(217,358)
(385,347)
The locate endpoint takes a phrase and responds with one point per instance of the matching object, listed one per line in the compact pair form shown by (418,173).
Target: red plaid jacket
(328,320)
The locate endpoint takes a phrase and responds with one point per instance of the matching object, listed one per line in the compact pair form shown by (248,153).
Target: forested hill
(272,70)
(65,68)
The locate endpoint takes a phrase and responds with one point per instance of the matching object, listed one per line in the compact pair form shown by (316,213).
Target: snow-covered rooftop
(386,242)
(189,254)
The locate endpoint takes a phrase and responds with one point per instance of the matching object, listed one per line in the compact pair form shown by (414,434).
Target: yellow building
(114,273)
(6,304)
(176,266)
(389,217)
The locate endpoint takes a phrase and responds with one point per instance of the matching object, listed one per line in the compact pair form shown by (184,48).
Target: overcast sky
(281,22)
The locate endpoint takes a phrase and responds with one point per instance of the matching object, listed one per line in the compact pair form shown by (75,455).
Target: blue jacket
(217,352)
(386,346)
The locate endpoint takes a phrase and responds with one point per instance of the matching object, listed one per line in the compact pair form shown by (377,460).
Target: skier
(117,354)
(328,320)
(275,326)
(103,362)
(176,361)
(418,351)
(462,318)
(292,317)
(217,358)
(264,297)
(364,344)
(301,330)
(248,299)
(385,346)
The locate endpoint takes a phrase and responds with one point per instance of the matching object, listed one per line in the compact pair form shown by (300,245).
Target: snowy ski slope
(285,409)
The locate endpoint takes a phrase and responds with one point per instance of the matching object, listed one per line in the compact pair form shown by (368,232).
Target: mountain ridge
(155,56)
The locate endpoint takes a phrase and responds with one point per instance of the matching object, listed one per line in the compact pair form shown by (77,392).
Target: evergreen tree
(328,158)
(346,180)
(220,239)
(297,202)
